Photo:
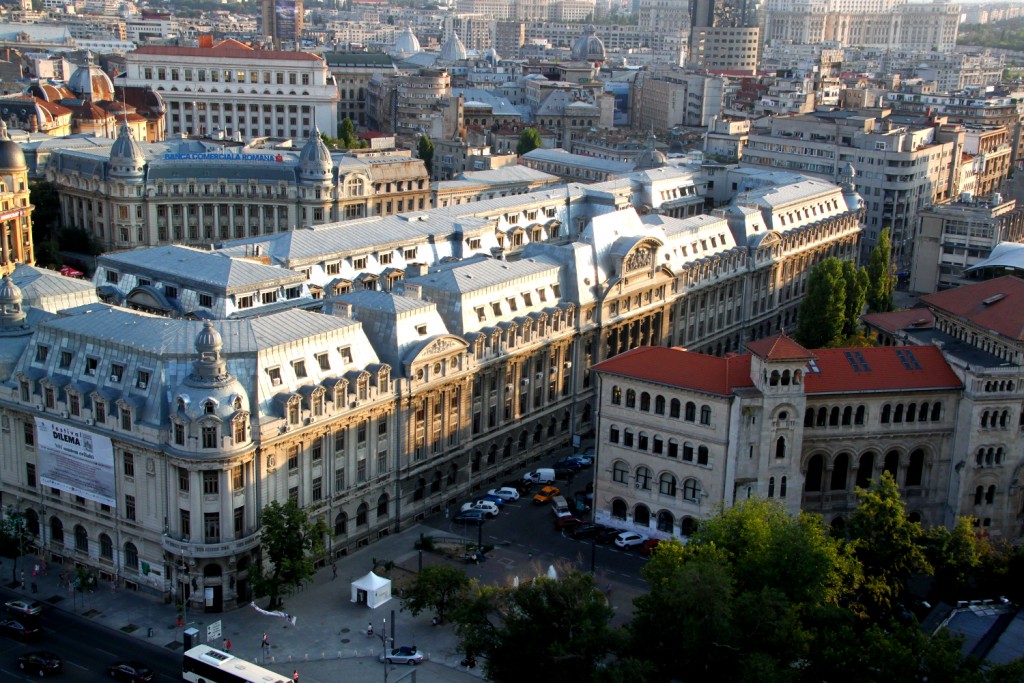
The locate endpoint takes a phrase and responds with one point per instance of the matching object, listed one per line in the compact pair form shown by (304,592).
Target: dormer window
(346,353)
(209,407)
(239,430)
(116,373)
(299,367)
(421,330)
(293,413)
(237,403)
(42,352)
(275,376)
(90,366)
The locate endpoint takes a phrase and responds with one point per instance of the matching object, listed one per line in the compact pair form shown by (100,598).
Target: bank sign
(220,156)
(76,461)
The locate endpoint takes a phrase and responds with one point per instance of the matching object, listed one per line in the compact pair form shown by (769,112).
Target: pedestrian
(295,676)
(35,570)
(44,568)
(334,571)
(266,641)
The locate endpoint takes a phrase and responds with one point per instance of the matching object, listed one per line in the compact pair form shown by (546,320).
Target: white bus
(206,664)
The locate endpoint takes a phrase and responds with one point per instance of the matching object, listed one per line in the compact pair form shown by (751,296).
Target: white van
(544,475)
(560,507)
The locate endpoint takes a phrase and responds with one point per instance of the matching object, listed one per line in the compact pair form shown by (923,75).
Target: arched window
(809,417)
(691,411)
(705,415)
(780,447)
(56,530)
(659,405)
(642,441)
(892,463)
(691,490)
(667,485)
(990,495)
(524,439)
(771,487)
(665,521)
(673,408)
(774,381)
(620,472)
(915,468)
(619,508)
(702,455)
(627,438)
(687,452)
(833,417)
(922,415)
(840,469)
(341,523)
(979,493)
(815,468)
(858,417)
(435,482)
(687,526)
(106,547)
(616,395)
(936,412)
(897,413)
(847,416)
(131,556)
(643,478)
(81,539)
(822,417)
(914,517)
(865,470)
(362,514)
(642,515)
(886,412)
(630,398)
(32,521)
(782,488)
(453,475)
(912,412)
(382,506)
(645,402)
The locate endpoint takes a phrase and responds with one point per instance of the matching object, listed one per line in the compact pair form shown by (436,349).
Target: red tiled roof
(912,318)
(879,368)
(681,368)
(996,304)
(779,347)
(238,51)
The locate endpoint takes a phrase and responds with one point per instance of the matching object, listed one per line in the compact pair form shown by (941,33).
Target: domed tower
(16,226)
(12,315)
(90,83)
(316,173)
(588,47)
(12,326)
(650,157)
(406,44)
(127,159)
(453,49)
(847,173)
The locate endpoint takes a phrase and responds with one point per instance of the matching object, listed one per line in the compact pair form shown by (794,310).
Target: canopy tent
(372,590)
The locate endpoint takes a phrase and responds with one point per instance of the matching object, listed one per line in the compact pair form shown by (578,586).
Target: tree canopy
(823,310)
(425,151)
(437,587)
(529,140)
(881,280)
(291,543)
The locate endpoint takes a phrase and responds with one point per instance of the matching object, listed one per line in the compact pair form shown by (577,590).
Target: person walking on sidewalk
(295,676)
(334,571)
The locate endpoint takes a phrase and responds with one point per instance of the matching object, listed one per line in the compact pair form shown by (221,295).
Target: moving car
(18,629)
(545,494)
(488,507)
(567,522)
(506,492)
(28,608)
(629,539)
(131,671)
(40,663)
(586,530)
(402,655)
(476,517)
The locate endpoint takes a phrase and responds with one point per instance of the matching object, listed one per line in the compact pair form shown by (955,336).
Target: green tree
(888,545)
(425,151)
(529,140)
(823,310)
(881,280)
(291,543)
(347,134)
(856,297)
(438,587)
(14,538)
(542,627)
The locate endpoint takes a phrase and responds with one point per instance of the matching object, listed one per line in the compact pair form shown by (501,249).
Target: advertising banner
(76,461)
(286,19)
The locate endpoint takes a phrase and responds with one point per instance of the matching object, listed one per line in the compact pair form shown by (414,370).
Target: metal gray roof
(383,301)
(560,156)
(206,270)
(482,273)
(36,283)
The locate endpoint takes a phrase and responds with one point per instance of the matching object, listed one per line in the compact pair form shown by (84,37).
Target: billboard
(287,21)
(76,461)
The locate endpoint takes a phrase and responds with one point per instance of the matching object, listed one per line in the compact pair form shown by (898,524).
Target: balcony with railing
(196,549)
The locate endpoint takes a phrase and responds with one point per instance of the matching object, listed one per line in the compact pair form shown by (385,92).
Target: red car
(648,546)
(567,522)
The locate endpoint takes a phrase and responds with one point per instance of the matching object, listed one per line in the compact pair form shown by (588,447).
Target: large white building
(241,92)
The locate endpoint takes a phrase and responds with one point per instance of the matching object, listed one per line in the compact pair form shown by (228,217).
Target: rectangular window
(339,479)
(183,480)
(65,360)
(244,301)
(142,379)
(239,515)
(186,523)
(129,465)
(318,488)
(361,433)
(30,434)
(42,352)
(30,475)
(209,437)
(339,441)
(324,361)
(300,368)
(346,353)
(211,482)
(293,459)
(275,376)
(206,301)
(100,411)
(236,477)
(211,527)
(179,434)
(90,366)
(75,404)
(129,507)
(126,419)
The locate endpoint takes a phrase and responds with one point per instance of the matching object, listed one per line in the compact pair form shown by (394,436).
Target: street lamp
(383,635)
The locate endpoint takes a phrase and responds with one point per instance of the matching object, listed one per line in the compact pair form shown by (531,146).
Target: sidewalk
(328,641)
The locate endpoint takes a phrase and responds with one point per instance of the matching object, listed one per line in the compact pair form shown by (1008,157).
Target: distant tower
(282,21)
(15,223)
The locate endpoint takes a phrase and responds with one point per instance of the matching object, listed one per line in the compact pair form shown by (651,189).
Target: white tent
(371,590)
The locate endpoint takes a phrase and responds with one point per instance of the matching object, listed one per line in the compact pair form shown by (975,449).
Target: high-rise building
(724,36)
(282,21)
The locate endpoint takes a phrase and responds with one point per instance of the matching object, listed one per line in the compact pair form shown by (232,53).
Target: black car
(131,671)
(40,663)
(476,517)
(19,629)
(568,463)
(522,486)
(606,536)
(587,530)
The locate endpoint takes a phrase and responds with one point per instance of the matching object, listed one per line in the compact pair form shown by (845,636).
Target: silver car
(402,655)
(28,608)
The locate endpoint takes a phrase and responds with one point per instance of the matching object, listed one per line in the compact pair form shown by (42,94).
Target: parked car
(568,463)
(19,629)
(567,522)
(545,494)
(28,608)
(586,530)
(648,546)
(40,663)
(629,539)
(488,507)
(543,475)
(131,671)
(586,457)
(476,517)
(402,655)
(606,536)
(497,500)
(565,473)
(506,492)
(523,487)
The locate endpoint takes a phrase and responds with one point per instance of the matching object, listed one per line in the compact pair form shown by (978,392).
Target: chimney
(33,123)
(412,290)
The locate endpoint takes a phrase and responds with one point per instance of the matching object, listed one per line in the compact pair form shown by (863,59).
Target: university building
(450,348)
